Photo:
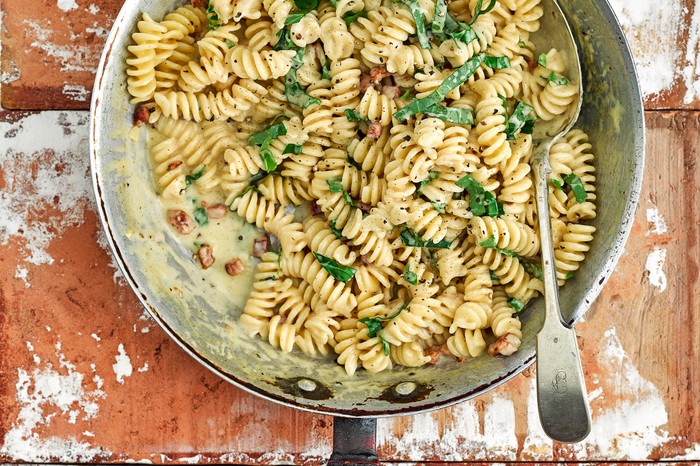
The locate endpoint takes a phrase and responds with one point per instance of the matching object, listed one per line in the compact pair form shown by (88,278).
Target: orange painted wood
(68,324)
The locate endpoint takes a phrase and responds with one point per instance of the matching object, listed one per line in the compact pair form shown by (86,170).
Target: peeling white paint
(655,268)
(595,394)
(22,273)
(62,393)
(191,459)
(631,429)
(93,9)
(122,367)
(42,174)
(691,454)
(537,446)
(11,72)
(67,5)
(691,70)
(656,59)
(657,224)
(94,335)
(143,368)
(72,57)
(76,93)
(118,276)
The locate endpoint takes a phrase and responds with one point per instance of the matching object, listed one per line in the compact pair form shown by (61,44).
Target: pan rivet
(405,388)
(307,385)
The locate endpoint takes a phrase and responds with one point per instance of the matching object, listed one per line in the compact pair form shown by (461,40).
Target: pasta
(386,170)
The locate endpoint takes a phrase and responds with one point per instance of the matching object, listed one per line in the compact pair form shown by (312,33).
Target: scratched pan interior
(181,299)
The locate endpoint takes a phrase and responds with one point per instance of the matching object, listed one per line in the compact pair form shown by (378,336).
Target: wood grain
(67,323)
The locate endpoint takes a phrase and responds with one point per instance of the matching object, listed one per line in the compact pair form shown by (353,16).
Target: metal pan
(203,319)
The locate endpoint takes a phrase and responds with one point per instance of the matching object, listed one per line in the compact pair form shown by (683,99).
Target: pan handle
(354,442)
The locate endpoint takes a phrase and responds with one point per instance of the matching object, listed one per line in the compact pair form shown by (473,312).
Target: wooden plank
(85,375)
(51,50)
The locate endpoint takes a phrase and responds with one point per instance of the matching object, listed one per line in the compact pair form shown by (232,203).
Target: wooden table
(87,376)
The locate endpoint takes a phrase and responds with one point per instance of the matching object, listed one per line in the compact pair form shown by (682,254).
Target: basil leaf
(352,115)
(521,114)
(556,183)
(521,42)
(491,243)
(466,35)
(516,304)
(293,149)
(284,42)
(385,344)
(349,18)
(333,228)
(295,17)
(576,186)
(462,116)
(493,276)
(268,159)
(339,272)
(478,11)
(348,200)
(259,176)
(418,18)
(212,18)
(200,215)
(306,4)
(410,238)
(439,17)
(194,176)
(557,80)
(373,325)
(229,44)
(407,94)
(410,276)
(336,186)
(480,201)
(431,177)
(497,63)
(569,276)
(455,79)
(439,206)
(292,89)
(326,70)
(528,127)
(533,269)
(265,136)
(334,3)
(542,60)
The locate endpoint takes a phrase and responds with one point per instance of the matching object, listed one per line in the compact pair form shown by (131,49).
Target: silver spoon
(561,389)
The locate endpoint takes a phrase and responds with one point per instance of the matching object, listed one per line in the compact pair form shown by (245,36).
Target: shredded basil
(385,344)
(292,89)
(556,183)
(326,70)
(410,276)
(478,11)
(229,44)
(335,230)
(542,60)
(431,177)
(352,115)
(522,114)
(569,276)
(462,116)
(521,42)
(418,18)
(336,186)
(481,202)
(200,216)
(349,18)
(194,176)
(439,206)
(212,18)
(491,243)
(516,304)
(557,80)
(284,42)
(407,94)
(533,269)
(411,238)
(306,4)
(493,276)
(497,63)
(342,273)
(459,76)
(263,139)
(576,186)
(293,149)
(439,17)
(374,324)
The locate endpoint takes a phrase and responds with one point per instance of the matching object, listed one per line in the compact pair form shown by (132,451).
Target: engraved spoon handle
(561,390)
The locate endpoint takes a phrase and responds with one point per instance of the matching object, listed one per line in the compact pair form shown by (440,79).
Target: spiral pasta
(383,237)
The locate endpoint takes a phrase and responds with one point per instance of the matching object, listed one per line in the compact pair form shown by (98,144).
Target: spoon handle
(561,390)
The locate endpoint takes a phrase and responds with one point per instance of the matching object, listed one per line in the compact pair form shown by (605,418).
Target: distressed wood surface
(51,50)
(86,375)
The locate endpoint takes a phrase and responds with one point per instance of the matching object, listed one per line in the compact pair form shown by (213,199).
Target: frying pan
(199,310)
